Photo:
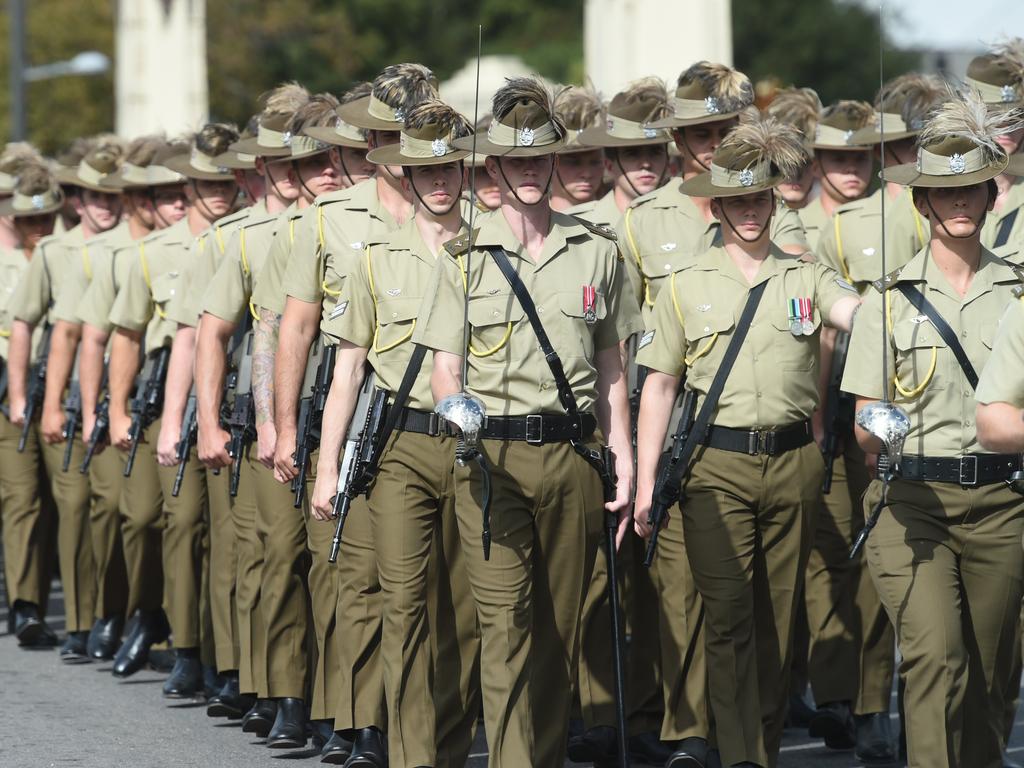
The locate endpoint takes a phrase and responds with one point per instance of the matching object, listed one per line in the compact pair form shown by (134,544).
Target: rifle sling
(412,371)
(925,307)
(1005,226)
(697,433)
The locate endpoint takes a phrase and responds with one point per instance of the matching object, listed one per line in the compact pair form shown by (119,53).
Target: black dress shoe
(29,627)
(336,751)
(320,732)
(212,681)
(649,748)
(260,718)
(150,627)
(368,750)
(595,745)
(228,702)
(186,680)
(875,739)
(104,638)
(692,752)
(73,651)
(833,722)
(289,731)
(799,712)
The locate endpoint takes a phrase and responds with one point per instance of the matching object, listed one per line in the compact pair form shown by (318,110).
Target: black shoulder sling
(925,307)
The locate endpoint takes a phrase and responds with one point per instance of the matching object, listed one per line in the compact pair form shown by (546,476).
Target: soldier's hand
(17,410)
(321,502)
(211,447)
(266,444)
(642,510)
(284,465)
(119,428)
(88,425)
(52,425)
(622,503)
(167,443)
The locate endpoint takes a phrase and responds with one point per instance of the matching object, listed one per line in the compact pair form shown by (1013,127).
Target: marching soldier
(547,497)
(579,171)
(945,555)
(14,157)
(33,303)
(26,508)
(751,494)
(801,108)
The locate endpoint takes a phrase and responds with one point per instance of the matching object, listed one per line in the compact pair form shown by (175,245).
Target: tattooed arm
(264,348)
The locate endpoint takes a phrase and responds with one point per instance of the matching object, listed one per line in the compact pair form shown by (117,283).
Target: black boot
(368,750)
(875,740)
(150,627)
(799,712)
(212,681)
(74,649)
(833,722)
(29,627)
(186,680)
(596,745)
(260,718)
(228,702)
(289,731)
(648,748)
(104,638)
(691,752)
(336,751)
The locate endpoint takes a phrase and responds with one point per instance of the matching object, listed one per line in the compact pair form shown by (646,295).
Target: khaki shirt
(665,230)
(110,270)
(993,222)
(155,277)
(852,243)
(604,211)
(507,370)
(43,280)
(13,265)
(187,305)
(774,381)
(231,288)
(932,388)
(268,286)
(814,221)
(1002,380)
(94,256)
(378,308)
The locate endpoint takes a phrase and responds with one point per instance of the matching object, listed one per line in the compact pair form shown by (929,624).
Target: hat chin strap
(446,211)
(636,192)
(760,233)
(682,137)
(547,186)
(835,190)
(942,224)
(151,194)
(207,213)
(273,182)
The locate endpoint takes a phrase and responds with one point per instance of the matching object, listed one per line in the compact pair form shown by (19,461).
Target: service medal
(794,317)
(589,304)
(806,322)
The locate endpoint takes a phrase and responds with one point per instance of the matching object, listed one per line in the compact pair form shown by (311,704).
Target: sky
(951,24)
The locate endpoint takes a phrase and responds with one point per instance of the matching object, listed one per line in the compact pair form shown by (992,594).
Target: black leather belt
(423,423)
(755,442)
(539,428)
(969,470)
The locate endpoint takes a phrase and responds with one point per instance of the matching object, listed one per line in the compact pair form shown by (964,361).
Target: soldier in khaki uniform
(14,157)
(945,555)
(636,159)
(548,510)
(141,306)
(801,108)
(412,498)
(749,504)
(33,303)
(579,173)
(26,509)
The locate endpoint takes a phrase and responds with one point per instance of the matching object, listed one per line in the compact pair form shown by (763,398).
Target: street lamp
(85,63)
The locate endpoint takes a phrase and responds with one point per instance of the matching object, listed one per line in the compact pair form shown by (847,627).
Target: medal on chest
(801,317)
(589,304)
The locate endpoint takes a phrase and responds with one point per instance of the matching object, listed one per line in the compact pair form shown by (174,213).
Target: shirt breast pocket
(165,288)
(796,352)
(704,347)
(492,320)
(918,347)
(575,329)
(396,320)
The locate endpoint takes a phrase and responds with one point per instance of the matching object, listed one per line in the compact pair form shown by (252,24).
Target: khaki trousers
(645,706)
(223,571)
(106,479)
(28,517)
(947,563)
(142,525)
(71,495)
(546,524)
(252,652)
(747,521)
(852,643)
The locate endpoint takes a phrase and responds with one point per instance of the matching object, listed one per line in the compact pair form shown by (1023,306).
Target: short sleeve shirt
(289,237)
(997,221)
(13,265)
(41,283)
(506,368)
(1002,380)
(932,390)
(815,221)
(93,257)
(773,382)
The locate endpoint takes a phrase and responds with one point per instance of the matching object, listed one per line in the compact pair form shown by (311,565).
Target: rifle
(3,389)
(240,419)
(100,431)
(35,386)
(189,432)
(665,495)
(359,460)
(146,402)
(311,413)
(72,420)
(839,408)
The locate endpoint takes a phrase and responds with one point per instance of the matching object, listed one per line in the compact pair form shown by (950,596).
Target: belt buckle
(756,443)
(433,424)
(535,429)
(968,470)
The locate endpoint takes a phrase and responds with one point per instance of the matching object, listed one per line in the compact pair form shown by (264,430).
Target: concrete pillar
(627,39)
(160,83)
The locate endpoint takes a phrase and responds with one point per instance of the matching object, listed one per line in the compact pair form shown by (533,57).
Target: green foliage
(829,45)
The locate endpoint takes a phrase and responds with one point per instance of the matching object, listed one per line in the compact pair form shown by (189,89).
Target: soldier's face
(316,175)
(437,186)
(579,175)
(252,183)
(697,144)
(487,192)
(638,168)
(275,177)
(32,229)
(526,177)
(744,216)
(955,212)
(845,172)
(353,165)
(382,139)
(170,204)
(1011,141)
(215,197)
(795,191)
(102,209)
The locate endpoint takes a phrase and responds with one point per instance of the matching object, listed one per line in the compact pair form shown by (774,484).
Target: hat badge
(847,136)
(286,138)
(711,105)
(650,133)
(38,202)
(399,115)
(747,177)
(957,163)
(526,137)
(439,147)
(1008,93)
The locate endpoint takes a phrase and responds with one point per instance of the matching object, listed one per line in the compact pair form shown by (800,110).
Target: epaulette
(459,245)
(884,283)
(597,229)
(231,218)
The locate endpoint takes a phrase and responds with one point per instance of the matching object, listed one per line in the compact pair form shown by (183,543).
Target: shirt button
(668,266)
(967,422)
(394,314)
(707,329)
(540,310)
(963,334)
(758,394)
